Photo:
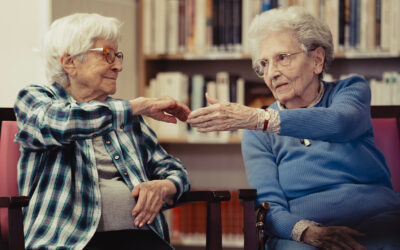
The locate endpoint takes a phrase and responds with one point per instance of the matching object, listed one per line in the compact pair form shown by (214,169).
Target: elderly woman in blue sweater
(311,155)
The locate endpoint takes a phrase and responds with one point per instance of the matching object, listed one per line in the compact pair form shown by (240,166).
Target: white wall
(22,24)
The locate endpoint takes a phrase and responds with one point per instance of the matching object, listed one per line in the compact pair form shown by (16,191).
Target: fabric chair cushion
(9,155)
(387,140)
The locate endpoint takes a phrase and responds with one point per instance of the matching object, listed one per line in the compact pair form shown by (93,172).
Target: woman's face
(95,77)
(296,84)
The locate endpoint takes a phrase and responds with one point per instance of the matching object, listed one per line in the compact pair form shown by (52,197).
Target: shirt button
(122,126)
(126,173)
(108,142)
(116,157)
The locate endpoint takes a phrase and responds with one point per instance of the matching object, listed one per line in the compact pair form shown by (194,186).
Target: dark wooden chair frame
(212,198)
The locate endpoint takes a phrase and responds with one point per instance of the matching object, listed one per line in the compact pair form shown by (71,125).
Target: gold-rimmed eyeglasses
(110,54)
(260,66)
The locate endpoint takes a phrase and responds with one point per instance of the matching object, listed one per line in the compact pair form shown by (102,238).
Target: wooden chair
(386,126)
(11,222)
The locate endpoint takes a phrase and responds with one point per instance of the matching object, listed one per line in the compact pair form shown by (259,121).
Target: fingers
(148,204)
(200,114)
(166,109)
(211,100)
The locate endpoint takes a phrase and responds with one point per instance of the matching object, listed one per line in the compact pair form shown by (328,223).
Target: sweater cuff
(300,227)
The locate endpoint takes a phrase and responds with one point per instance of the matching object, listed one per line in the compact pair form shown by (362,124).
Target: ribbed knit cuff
(300,227)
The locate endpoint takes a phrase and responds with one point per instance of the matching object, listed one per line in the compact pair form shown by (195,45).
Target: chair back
(387,139)
(9,155)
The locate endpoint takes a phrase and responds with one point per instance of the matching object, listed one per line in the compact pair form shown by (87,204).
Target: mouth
(111,77)
(280,85)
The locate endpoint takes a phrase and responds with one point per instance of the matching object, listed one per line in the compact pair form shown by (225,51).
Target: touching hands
(223,116)
(151,196)
(332,237)
(164,109)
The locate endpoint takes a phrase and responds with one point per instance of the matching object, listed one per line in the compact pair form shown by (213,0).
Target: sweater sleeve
(46,120)
(345,117)
(262,173)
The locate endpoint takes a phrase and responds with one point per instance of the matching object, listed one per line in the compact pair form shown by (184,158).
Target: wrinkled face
(291,76)
(95,75)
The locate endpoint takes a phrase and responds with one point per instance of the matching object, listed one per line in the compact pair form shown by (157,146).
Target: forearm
(342,115)
(46,121)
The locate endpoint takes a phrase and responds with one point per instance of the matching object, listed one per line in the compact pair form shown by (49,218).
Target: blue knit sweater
(339,179)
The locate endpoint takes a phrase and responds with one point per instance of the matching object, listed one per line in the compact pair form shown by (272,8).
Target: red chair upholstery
(387,139)
(10,202)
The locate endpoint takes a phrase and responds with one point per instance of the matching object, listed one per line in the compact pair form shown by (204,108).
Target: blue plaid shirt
(57,168)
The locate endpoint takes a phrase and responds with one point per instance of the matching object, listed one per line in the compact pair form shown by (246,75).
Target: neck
(82,93)
(307,98)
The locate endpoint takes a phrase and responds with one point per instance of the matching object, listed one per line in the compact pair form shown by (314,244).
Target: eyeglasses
(110,54)
(261,65)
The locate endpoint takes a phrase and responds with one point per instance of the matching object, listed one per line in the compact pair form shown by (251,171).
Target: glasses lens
(109,54)
(120,56)
(259,70)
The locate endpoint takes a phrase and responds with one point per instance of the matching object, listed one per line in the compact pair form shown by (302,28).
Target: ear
(318,59)
(68,63)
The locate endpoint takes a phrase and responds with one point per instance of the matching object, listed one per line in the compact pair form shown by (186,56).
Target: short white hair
(309,32)
(74,35)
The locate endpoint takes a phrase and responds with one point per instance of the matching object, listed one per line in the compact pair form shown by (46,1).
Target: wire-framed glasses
(283,59)
(110,54)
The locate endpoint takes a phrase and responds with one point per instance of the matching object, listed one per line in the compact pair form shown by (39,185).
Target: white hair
(74,35)
(309,32)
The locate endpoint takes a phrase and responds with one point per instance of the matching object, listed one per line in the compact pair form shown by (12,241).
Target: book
(173,27)
(160,22)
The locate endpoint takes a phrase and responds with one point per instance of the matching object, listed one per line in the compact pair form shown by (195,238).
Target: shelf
(204,140)
(209,56)
(350,54)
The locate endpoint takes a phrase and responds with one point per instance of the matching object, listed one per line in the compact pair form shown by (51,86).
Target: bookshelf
(218,163)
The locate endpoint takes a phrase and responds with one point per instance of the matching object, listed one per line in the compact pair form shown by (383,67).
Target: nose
(272,71)
(117,65)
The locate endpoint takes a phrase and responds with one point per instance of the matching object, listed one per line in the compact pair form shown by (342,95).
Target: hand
(151,196)
(223,116)
(332,237)
(157,108)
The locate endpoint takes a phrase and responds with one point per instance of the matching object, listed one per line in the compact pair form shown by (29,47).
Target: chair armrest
(203,195)
(214,218)
(14,201)
(254,237)
(247,198)
(248,194)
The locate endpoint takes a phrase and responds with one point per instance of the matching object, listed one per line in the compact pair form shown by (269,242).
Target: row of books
(191,90)
(220,26)
(384,91)
(187,223)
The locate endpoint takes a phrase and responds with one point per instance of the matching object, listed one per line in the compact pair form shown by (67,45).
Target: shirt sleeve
(262,174)
(345,117)
(46,120)
(161,165)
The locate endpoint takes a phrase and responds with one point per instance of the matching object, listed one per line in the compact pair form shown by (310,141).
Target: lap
(382,232)
(283,244)
(127,240)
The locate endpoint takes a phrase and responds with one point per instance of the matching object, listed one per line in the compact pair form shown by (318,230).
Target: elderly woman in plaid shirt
(92,168)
